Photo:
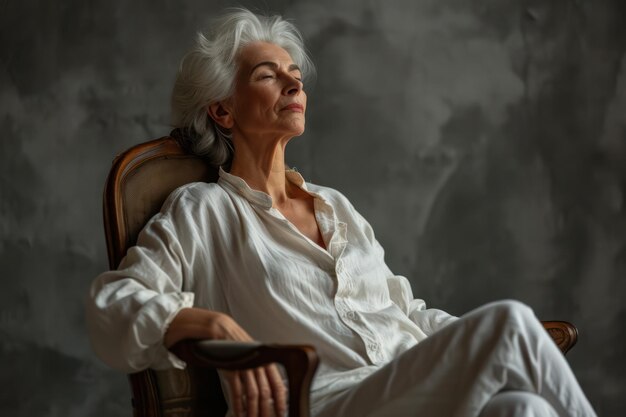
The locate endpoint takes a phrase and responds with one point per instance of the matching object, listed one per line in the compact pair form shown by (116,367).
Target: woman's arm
(198,323)
(130,309)
(136,313)
(429,320)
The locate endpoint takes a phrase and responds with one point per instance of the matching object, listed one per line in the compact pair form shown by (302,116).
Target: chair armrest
(564,334)
(299,361)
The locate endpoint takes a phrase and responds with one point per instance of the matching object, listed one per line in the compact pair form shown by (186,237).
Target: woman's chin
(295,130)
(299,132)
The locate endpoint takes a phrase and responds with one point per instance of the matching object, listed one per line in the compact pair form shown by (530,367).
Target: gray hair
(207,73)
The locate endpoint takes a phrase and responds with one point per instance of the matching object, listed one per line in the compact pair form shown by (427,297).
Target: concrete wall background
(484,140)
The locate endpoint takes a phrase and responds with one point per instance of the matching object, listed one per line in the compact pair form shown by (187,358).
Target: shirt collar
(257,197)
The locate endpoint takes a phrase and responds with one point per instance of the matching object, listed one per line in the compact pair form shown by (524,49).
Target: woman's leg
(518,404)
(458,370)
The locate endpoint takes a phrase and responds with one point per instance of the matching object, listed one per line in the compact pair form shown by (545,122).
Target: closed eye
(266,76)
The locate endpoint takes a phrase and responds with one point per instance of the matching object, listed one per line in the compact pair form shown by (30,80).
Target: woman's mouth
(296,107)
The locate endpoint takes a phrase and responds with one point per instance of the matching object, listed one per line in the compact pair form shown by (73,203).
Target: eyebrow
(292,67)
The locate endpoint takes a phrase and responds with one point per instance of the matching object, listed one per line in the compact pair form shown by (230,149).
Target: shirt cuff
(159,318)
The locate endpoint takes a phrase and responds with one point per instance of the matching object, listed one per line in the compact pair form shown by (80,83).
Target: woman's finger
(265,393)
(235,392)
(251,393)
(279,391)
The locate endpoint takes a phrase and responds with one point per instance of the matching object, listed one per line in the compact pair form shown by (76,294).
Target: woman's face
(268,97)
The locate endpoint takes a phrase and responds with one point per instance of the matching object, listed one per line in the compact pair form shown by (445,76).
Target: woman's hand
(256,392)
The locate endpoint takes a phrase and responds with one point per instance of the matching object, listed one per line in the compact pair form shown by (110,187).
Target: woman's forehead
(258,52)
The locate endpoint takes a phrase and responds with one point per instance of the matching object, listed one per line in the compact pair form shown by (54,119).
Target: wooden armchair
(139,182)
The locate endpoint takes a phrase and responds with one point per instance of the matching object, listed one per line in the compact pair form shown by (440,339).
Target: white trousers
(496,361)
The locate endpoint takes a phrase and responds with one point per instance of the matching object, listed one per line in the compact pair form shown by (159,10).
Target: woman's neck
(263,168)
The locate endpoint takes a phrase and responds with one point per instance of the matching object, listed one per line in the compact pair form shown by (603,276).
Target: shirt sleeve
(429,320)
(129,310)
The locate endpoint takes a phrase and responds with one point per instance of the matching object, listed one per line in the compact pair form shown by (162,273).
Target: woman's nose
(293,86)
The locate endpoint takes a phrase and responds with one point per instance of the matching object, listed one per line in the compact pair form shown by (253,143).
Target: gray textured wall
(484,140)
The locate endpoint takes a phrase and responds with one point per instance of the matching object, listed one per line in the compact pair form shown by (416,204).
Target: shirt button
(373,347)
(351,315)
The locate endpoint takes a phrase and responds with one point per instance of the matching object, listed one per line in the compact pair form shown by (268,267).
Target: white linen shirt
(222,246)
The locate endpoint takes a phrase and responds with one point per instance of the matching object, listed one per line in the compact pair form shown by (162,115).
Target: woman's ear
(221,114)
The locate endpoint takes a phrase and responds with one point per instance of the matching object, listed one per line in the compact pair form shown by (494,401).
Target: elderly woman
(262,255)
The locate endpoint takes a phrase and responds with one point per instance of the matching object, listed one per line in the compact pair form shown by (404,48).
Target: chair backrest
(139,182)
